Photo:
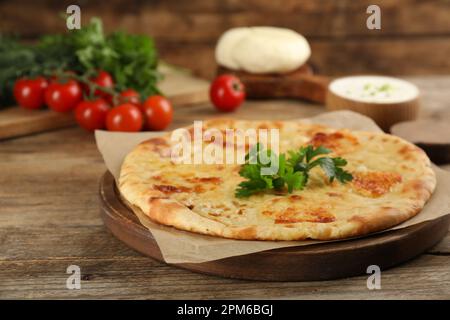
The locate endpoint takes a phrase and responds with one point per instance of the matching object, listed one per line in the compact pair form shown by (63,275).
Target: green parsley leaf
(312,153)
(294,180)
(292,173)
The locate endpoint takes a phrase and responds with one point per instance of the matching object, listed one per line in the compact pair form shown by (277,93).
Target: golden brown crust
(393,181)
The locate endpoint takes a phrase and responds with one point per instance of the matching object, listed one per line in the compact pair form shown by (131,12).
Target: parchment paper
(185,247)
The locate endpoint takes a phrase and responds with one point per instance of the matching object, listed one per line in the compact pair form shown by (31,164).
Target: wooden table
(49,219)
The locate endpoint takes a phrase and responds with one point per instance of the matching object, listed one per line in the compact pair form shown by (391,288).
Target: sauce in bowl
(374,89)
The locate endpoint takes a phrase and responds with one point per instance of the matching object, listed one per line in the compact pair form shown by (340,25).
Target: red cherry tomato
(158,113)
(29,93)
(63,96)
(126,117)
(91,115)
(227,92)
(130,96)
(103,79)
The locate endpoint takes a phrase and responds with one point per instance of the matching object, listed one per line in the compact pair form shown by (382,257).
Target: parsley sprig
(290,173)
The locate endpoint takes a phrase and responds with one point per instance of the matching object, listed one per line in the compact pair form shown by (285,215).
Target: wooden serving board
(302,83)
(180,86)
(314,262)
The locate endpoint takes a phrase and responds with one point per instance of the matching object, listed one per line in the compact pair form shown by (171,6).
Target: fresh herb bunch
(130,59)
(293,172)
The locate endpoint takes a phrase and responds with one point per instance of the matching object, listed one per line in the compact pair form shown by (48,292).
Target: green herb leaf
(292,173)
(250,187)
(328,167)
(294,180)
(312,153)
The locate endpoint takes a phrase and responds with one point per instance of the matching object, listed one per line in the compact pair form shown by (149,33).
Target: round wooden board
(314,262)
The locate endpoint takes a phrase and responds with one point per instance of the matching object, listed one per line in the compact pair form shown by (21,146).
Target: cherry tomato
(29,93)
(103,79)
(126,117)
(227,92)
(63,96)
(158,113)
(91,115)
(130,96)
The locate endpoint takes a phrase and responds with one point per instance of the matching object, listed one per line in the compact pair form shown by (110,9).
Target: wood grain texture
(17,121)
(206,20)
(338,57)
(49,219)
(298,84)
(142,278)
(414,37)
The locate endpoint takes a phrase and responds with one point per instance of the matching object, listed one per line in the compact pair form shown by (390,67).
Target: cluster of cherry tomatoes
(124,111)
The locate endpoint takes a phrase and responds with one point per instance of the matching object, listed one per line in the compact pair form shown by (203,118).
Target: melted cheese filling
(379,168)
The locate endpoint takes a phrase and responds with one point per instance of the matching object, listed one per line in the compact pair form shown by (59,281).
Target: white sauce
(374,89)
(262,50)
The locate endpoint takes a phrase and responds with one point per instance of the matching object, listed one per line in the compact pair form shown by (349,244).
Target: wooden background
(414,39)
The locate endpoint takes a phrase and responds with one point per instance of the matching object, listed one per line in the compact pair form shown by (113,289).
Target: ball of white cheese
(262,50)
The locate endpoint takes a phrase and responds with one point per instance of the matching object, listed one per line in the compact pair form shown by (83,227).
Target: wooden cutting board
(182,88)
(302,83)
(326,261)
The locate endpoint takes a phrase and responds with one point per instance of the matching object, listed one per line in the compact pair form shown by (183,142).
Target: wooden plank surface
(206,20)
(15,121)
(414,36)
(49,219)
(389,56)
